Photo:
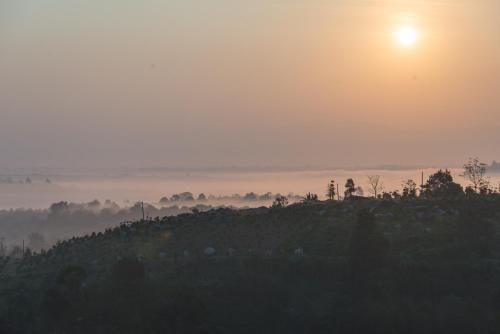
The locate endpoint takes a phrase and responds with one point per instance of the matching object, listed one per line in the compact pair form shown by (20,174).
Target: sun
(406,36)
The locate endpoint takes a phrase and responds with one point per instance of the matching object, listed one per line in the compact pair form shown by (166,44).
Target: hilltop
(358,266)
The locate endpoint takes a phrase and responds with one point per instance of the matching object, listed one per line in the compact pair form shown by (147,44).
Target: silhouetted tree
(185,196)
(266,197)
(58,208)
(409,189)
(441,185)
(331,190)
(280,202)
(310,197)
(376,185)
(250,196)
(350,188)
(475,172)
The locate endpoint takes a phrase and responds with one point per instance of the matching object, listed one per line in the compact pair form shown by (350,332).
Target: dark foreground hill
(366,266)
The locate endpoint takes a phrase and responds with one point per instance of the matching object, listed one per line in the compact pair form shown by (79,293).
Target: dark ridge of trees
(40,229)
(64,219)
(376,266)
(409,262)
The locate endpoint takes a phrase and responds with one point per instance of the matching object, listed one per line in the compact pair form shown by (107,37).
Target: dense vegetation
(42,228)
(361,266)
(399,263)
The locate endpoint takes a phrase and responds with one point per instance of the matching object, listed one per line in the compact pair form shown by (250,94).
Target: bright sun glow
(406,36)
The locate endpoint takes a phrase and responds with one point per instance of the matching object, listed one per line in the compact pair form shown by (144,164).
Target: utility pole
(142,208)
(338,194)
(422,184)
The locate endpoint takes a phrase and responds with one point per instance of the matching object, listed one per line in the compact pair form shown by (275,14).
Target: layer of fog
(52,207)
(129,186)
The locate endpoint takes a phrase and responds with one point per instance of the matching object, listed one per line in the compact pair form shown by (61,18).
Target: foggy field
(126,188)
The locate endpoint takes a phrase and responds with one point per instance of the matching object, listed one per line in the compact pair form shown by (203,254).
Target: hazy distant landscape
(42,209)
(422,260)
(250,167)
(125,187)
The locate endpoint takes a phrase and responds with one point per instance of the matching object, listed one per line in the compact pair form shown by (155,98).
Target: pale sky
(88,83)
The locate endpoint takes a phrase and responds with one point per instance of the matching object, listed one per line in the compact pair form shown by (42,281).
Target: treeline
(429,265)
(26,180)
(226,199)
(439,185)
(40,229)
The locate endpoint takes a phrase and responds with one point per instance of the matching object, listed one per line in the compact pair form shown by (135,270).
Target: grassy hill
(360,266)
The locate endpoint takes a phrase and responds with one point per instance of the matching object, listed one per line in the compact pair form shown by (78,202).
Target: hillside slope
(368,266)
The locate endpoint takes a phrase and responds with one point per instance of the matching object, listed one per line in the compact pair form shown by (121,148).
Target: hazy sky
(258,82)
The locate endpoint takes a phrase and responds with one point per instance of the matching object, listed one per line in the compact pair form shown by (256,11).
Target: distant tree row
(27,180)
(248,197)
(438,185)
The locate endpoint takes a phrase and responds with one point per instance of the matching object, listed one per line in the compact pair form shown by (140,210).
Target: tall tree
(409,189)
(440,185)
(350,188)
(376,185)
(331,190)
(475,172)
